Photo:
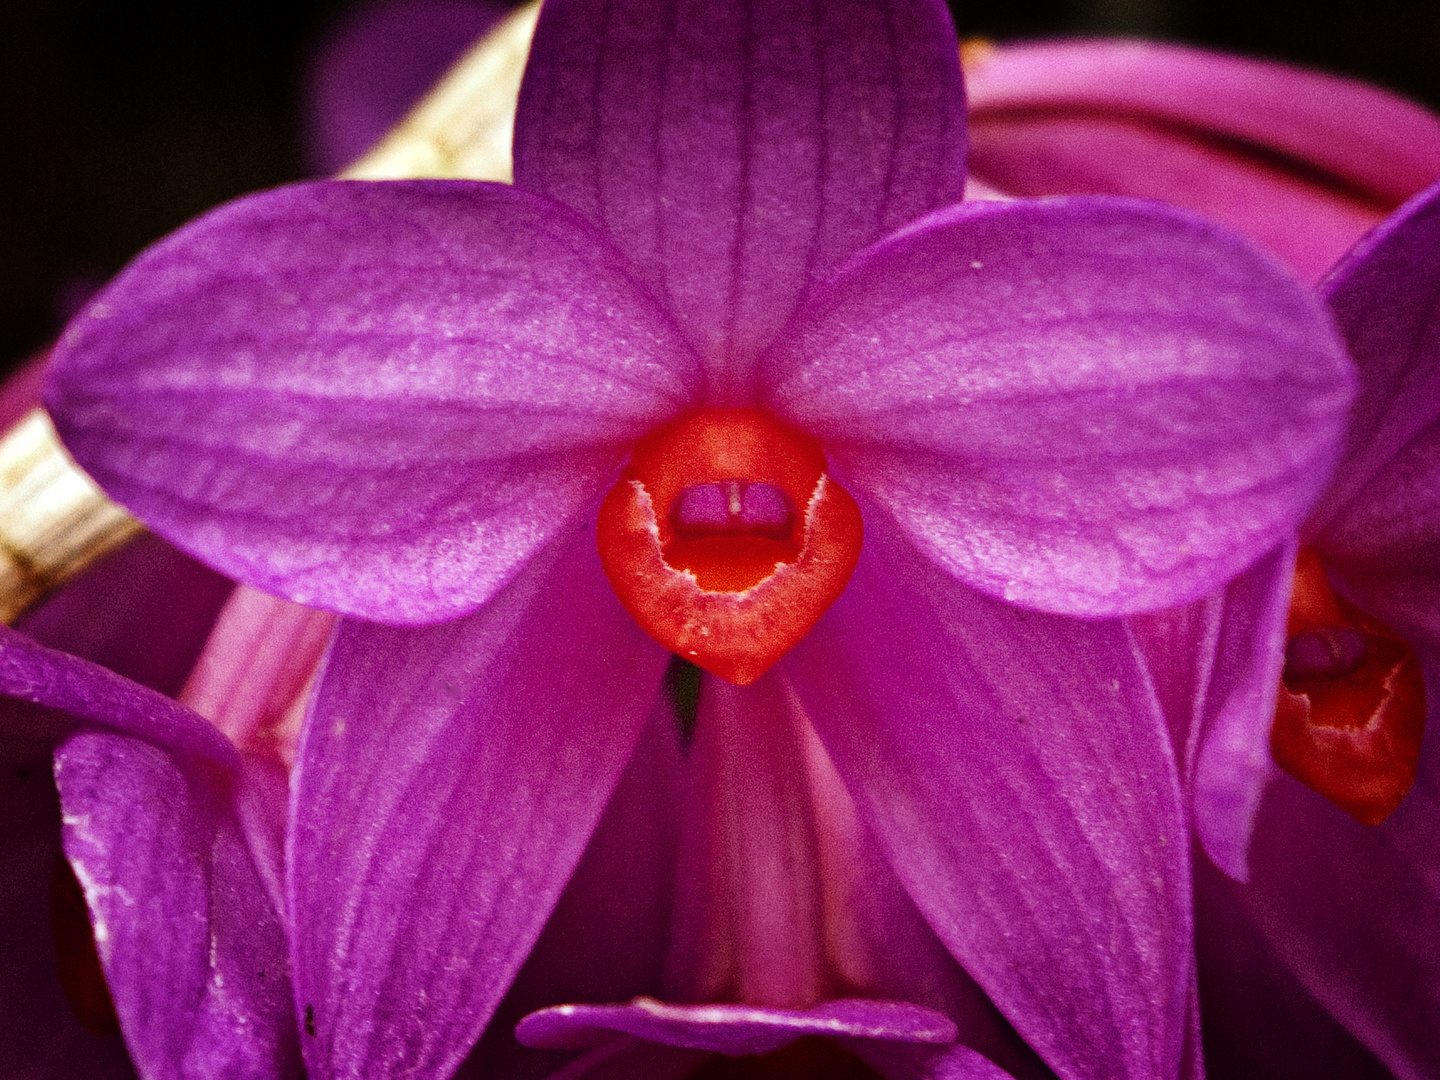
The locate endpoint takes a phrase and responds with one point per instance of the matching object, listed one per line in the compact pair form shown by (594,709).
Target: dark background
(120,119)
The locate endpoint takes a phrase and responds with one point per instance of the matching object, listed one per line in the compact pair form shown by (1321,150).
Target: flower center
(1351,709)
(726,539)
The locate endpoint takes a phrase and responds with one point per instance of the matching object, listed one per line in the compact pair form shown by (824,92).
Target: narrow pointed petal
(77,691)
(1218,683)
(377,398)
(1039,738)
(1386,299)
(448,781)
(193,952)
(733,1029)
(607,936)
(737,154)
(1354,910)
(1087,406)
(1233,762)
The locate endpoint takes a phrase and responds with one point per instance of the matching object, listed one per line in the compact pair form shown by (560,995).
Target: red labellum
(1352,701)
(726,539)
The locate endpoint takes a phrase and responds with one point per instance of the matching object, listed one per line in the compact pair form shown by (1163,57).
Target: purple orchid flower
(1353,909)
(1304,162)
(405,401)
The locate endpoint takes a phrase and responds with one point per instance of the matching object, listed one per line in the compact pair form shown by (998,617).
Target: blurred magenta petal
(21,391)
(448,781)
(436,382)
(1301,161)
(738,154)
(625,1058)
(194,954)
(732,1029)
(375,63)
(1060,402)
(1386,300)
(1015,747)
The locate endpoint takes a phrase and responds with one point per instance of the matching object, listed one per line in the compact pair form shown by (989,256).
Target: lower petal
(448,781)
(193,952)
(1025,793)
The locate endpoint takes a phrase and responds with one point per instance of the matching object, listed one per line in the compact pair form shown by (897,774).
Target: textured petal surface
(1024,790)
(1216,666)
(1354,910)
(379,398)
(448,781)
(194,953)
(739,152)
(1386,299)
(1089,406)
(733,1029)
(77,691)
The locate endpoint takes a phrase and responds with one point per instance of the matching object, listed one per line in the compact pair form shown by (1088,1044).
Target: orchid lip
(1351,709)
(727,539)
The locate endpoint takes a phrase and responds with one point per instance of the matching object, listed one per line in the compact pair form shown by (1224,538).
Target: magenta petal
(732,1029)
(1016,770)
(737,153)
(1259,1021)
(1360,135)
(193,951)
(78,691)
(379,398)
(1087,406)
(448,781)
(1386,299)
